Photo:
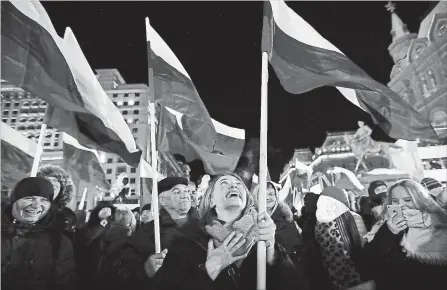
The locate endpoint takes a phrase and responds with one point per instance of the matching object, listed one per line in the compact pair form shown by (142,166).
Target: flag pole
(39,150)
(151,108)
(84,196)
(262,259)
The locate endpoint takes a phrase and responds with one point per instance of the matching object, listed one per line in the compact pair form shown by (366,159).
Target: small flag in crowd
(17,155)
(36,59)
(83,163)
(304,60)
(185,126)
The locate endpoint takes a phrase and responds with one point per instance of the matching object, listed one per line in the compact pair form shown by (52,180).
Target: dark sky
(218,43)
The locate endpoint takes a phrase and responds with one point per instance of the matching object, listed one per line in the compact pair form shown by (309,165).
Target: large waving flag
(185,125)
(36,59)
(304,60)
(17,153)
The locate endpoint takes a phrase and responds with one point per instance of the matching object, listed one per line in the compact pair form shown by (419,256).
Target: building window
(137,103)
(110,160)
(16,105)
(124,112)
(15,112)
(46,144)
(13,120)
(7,105)
(5,113)
(134,130)
(121,169)
(109,171)
(137,94)
(132,191)
(126,95)
(56,144)
(115,95)
(136,121)
(120,160)
(432,81)
(133,170)
(132,181)
(136,112)
(126,104)
(5,120)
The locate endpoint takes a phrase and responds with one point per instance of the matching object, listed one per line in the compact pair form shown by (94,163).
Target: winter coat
(390,267)
(287,234)
(35,256)
(120,267)
(144,239)
(187,256)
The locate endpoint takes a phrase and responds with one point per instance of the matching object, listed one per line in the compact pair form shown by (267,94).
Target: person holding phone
(410,250)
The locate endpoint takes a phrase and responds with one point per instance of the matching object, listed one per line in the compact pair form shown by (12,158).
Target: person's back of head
(123,224)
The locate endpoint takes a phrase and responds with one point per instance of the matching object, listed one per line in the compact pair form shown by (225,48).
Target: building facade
(25,112)
(419,73)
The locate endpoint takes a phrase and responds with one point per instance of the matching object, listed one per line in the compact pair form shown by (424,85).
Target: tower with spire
(401,40)
(419,74)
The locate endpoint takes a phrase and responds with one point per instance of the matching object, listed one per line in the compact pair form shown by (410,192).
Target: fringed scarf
(424,241)
(220,230)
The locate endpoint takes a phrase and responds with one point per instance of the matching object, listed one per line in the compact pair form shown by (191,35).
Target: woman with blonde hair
(410,250)
(222,254)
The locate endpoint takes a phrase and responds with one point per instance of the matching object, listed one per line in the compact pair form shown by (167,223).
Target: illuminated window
(130,121)
(120,103)
(131,103)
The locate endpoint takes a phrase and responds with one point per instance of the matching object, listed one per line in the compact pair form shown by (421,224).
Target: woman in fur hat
(64,188)
(34,255)
(287,234)
(221,255)
(410,250)
(337,231)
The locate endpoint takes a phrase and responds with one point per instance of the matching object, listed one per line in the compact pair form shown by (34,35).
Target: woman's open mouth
(233,194)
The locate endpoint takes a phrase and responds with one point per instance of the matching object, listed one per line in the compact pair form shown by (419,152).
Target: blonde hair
(422,201)
(206,202)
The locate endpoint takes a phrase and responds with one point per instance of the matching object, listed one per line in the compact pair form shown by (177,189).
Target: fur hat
(337,194)
(430,183)
(33,186)
(169,182)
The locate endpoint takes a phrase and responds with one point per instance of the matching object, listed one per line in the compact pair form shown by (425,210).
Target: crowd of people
(393,237)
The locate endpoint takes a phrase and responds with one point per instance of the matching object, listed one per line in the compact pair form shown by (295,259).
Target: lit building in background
(24,112)
(419,73)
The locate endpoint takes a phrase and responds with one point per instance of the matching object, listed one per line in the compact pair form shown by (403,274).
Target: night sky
(218,43)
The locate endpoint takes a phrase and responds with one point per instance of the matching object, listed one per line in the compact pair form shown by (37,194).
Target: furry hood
(282,213)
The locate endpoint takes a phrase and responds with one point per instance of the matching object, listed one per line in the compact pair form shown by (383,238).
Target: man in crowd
(177,219)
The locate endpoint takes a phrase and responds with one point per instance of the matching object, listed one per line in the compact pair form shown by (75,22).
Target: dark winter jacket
(186,258)
(144,239)
(389,266)
(120,267)
(287,234)
(35,256)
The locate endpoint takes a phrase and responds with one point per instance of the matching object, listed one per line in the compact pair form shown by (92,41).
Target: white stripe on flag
(73,142)
(289,22)
(16,139)
(146,171)
(161,49)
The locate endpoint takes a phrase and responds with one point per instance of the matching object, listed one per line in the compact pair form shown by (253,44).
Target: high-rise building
(419,73)
(25,113)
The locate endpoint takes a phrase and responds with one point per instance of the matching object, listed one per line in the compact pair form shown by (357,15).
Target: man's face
(31,209)
(177,199)
(380,189)
(145,216)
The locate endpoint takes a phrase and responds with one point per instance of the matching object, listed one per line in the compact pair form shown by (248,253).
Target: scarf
(423,241)
(220,230)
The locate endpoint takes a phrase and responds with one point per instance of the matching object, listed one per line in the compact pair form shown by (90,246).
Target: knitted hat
(337,194)
(33,186)
(430,183)
(169,182)
(373,186)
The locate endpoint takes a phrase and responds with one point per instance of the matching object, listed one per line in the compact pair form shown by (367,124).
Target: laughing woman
(34,256)
(409,251)
(223,255)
